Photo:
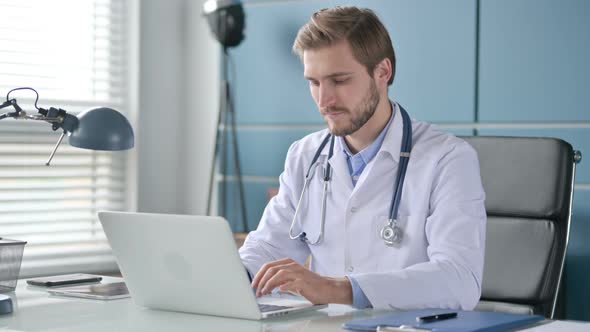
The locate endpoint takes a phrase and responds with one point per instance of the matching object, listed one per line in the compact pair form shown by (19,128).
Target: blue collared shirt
(356,165)
(358,162)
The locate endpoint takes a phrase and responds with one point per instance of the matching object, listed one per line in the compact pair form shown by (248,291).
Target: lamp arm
(17,110)
(57,117)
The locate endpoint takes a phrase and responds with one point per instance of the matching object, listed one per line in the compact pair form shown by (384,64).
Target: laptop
(188,264)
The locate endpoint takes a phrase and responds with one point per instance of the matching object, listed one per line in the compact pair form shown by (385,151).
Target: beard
(362,113)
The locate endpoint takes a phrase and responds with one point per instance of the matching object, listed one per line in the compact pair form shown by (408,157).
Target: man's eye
(314,83)
(341,81)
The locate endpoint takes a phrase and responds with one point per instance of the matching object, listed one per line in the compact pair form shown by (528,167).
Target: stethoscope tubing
(403,165)
(308,176)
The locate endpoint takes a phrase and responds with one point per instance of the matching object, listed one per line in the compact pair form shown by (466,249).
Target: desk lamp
(99,128)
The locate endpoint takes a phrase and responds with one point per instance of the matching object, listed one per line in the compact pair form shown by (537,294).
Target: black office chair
(529,185)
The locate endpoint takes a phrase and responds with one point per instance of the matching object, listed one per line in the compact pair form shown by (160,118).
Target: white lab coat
(442,213)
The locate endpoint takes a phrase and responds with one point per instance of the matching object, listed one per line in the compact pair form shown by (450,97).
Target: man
(349,62)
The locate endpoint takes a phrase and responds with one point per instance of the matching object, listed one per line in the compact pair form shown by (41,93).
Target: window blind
(74,53)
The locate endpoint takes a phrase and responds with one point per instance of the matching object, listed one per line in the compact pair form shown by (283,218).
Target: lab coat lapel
(393,138)
(340,168)
(388,156)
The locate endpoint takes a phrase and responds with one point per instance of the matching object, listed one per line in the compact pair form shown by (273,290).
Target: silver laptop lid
(180,263)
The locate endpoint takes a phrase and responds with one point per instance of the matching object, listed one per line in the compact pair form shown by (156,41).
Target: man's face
(346,95)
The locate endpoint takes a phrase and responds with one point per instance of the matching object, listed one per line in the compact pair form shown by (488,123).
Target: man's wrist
(341,290)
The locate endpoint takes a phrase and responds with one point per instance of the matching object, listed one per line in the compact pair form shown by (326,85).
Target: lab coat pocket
(412,227)
(411,249)
(380,222)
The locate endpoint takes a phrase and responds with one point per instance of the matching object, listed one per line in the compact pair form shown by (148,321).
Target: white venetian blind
(74,53)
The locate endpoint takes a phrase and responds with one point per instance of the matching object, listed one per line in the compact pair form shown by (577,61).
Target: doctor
(385,227)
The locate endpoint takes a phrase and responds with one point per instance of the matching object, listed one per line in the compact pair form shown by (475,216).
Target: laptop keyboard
(270,307)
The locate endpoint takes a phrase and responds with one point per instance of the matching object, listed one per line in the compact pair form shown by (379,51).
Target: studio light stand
(226,20)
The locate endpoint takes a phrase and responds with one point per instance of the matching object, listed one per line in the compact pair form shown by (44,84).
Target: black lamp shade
(226,19)
(102,128)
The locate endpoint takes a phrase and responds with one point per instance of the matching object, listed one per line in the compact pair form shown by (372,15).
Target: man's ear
(383,71)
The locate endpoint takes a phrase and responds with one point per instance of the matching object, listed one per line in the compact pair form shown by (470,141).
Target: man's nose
(327,98)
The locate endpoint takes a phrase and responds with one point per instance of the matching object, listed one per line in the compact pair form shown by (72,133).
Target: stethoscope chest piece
(392,234)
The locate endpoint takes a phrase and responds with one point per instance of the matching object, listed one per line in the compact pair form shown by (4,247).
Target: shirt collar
(370,151)
(389,140)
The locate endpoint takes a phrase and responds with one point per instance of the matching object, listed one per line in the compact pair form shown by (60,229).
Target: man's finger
(270,272)
(281,277)
(281,270)
(265,267)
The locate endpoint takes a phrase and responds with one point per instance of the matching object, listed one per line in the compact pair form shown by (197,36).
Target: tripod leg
(220,118)
(227,116)
(237,166)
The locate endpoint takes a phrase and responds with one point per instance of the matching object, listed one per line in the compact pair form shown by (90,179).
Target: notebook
(466,321)
(107,291)
(187,264)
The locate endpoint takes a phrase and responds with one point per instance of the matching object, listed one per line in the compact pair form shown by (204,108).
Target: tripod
(227,117)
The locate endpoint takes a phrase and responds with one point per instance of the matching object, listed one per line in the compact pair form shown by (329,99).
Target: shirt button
(350,269)
(354,209)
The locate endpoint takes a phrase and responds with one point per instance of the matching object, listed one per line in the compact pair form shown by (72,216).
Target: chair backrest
(529,191)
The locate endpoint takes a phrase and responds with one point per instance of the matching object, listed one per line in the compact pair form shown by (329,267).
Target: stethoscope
(392,233)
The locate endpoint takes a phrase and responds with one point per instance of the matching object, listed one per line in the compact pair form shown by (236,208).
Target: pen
(403,328)
(434,318)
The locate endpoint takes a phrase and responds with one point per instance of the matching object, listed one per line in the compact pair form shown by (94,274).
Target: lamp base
(5,304)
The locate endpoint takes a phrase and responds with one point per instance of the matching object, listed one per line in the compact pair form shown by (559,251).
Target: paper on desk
(560,326)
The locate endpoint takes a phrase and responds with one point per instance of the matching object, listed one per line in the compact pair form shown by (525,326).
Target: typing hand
(289,276)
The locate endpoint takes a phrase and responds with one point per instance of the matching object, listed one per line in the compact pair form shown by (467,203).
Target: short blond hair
(360,27)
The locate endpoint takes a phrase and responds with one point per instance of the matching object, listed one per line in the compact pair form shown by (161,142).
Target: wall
(533,74)
(178,95)
(488,67)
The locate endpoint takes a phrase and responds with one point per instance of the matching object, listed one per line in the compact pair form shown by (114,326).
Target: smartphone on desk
(63,280)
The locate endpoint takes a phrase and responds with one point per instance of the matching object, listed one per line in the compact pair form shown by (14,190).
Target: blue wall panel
(534,60)
(435,44)
(268,83)
(434,41)
(256,194)
(579,138)
(577,267)
(263,152)
(458,131)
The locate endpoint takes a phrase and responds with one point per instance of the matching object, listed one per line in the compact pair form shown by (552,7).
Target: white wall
(178,97)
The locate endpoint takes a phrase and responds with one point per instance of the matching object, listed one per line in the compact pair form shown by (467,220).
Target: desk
(36,310)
